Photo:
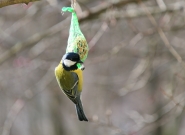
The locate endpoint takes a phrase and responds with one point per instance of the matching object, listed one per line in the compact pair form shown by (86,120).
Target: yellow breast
(80,76)
(66,79)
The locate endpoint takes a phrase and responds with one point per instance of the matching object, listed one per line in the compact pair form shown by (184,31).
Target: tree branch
(4,3)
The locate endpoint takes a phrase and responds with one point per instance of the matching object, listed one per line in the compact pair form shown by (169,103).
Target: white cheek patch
(69,63)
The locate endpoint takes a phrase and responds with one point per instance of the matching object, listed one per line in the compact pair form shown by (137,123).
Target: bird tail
(80,112)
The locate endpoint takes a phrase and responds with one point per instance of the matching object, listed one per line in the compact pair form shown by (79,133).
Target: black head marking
(73,58)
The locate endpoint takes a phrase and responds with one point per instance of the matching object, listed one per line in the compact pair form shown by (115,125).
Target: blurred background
(134,76)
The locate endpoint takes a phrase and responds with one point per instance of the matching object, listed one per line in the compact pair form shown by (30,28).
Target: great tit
(69,76)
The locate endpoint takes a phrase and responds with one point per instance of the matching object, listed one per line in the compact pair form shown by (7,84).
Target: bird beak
(82,67)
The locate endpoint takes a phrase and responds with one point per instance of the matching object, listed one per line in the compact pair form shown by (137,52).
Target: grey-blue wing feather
(70,85)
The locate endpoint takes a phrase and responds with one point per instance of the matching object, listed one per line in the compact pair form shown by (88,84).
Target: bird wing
(68,82)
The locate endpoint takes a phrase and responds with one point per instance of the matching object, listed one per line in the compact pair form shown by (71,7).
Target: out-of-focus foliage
(133,83)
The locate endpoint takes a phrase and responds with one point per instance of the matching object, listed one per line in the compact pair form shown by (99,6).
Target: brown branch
(4,3)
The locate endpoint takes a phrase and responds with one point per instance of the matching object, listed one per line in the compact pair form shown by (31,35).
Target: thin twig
(165,110)
(161,4)
(144,121)
(133,13)
(98,35)
(162,35)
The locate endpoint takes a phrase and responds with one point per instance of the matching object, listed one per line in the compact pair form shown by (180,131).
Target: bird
(69,75)
(77,42)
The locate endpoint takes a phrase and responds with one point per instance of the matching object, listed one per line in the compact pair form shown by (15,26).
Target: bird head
(71,61)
